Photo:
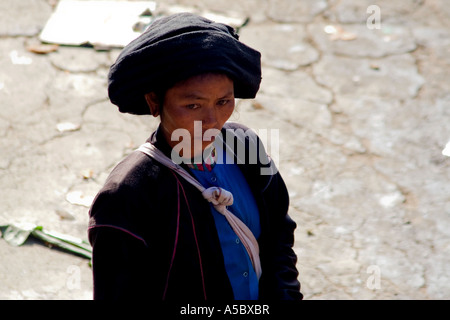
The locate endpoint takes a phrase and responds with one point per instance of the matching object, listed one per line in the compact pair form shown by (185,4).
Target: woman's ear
(153,103)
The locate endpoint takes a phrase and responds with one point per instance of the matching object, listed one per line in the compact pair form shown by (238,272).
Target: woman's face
(208,98)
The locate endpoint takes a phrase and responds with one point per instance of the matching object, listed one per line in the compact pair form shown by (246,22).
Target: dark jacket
(154,237)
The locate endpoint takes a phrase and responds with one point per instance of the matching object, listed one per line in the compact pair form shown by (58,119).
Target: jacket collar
(158,140)
(251,171)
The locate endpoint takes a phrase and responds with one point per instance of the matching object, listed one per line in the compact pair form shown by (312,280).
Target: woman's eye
(192,106)
(222,102)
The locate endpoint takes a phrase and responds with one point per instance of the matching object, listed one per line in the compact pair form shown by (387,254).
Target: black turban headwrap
(175,48)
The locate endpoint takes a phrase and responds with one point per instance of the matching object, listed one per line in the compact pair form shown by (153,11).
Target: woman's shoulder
(134,170)
(239,131)
(254,151)
(129,183)
(125,192)
(231,125)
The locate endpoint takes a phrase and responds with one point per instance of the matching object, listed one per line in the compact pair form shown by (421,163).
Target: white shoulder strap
(220,198)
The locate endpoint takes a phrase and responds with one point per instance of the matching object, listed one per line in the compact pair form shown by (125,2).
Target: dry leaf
(42,48)
(257,106)
(87,174)
(338,33)
(374,66)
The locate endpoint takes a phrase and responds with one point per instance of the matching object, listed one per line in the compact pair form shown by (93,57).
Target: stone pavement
(363,116)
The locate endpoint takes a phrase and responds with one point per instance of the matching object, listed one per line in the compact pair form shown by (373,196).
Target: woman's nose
(210,118)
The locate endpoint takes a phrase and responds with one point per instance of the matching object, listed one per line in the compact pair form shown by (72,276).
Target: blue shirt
(238,265)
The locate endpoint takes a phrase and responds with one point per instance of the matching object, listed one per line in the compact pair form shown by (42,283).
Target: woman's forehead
(204,78)
(202,85)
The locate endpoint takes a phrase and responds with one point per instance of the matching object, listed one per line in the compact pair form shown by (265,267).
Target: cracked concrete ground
(362,116)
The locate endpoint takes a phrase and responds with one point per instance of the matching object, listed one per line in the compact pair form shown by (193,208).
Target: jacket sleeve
(121,258)
(121,265)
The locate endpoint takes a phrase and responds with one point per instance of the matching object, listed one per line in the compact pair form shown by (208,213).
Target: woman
(190,215)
